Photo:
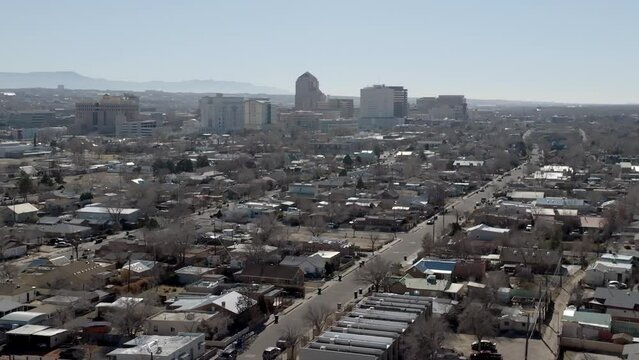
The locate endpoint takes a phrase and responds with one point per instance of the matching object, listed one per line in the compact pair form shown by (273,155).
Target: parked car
(614,284)
(62,244)
(333,225)
(228,354)
(271,353)
(430,221)
(98,240)
(486,345)
(281,344)
(485,355)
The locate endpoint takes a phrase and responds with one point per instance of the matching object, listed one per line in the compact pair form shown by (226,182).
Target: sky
(584,51)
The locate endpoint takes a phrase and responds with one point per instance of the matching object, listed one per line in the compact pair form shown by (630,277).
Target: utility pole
(527,337)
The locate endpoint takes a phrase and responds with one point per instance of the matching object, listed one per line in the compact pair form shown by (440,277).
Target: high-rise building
(101,116)
(382,106)
(257,114)
(221,114)
(344,107)
(444,107)
(307,92)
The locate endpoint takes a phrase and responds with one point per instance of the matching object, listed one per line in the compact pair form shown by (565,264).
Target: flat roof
(27,330)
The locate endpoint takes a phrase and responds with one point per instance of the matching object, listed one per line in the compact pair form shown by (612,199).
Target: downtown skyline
(531,51)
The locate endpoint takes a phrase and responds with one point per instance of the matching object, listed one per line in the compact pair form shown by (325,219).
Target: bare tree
(373,238)
(316,225)
(317,315)
(426,338)
(291,333)
(428,244)
(266,226)
(376,272)
(130,318)
(478,321)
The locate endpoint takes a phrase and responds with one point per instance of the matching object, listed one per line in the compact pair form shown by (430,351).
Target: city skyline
(528,50)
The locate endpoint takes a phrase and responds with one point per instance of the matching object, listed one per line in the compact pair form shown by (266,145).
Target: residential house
(287,277)
(428,286)
(442,269)
(601,272)
(233,303)
(168,323)
(313,266)
(621,305)
(586,325)
(484,236)
(138,269)
(538,260)
(191,274)
(19,213)
(157,347)
(331,257)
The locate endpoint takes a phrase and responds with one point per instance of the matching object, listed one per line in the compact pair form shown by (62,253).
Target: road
(409,244)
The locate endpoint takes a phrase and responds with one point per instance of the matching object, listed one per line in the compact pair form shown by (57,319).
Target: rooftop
(147,344)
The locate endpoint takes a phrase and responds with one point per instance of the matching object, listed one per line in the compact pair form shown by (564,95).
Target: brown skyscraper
(307,92)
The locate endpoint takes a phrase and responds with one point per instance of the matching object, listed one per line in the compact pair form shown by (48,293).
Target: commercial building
(307,92)
(344,107)
(257,114)
(101,116)
(382,106)
(221,114)
(135,129)
(444,107)
(28,119)
(155,347)
(301,120)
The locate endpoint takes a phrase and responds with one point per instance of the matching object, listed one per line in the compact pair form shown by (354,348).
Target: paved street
(409,244)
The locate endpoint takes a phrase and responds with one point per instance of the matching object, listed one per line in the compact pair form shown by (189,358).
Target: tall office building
(257,114)
(221,114)
(344,107)
(444,107)
(307,92)
(101,116)
(383,106)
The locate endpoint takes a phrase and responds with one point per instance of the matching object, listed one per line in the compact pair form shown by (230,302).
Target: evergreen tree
(348,162)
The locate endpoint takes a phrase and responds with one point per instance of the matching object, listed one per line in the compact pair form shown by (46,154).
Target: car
(614,284)
(62,244)
(271,353)
(486,345)
(485,355)
(130,236)
(529,227)
(333,225)
(228,354)
(98,241)
(430,221)
(282,344)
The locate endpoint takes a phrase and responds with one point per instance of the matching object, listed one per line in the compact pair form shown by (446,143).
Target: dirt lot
(362,239)
(510,348)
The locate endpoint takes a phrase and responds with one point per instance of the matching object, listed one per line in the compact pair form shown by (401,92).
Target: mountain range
(73,80)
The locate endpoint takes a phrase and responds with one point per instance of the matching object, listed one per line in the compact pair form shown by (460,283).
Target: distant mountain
(74,80)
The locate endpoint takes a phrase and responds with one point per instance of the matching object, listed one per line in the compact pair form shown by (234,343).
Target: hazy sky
(566,50)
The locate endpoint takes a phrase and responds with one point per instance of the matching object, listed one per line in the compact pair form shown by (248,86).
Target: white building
(382,106)
(101,213)
(257,114)
(169,323)
(601,272)
(134,129)
(155,347)
(221,114)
